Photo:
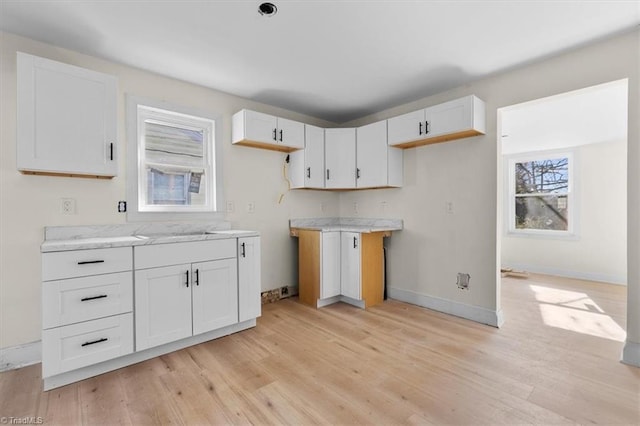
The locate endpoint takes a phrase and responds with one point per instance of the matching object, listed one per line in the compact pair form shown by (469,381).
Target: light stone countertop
(347,224)
(65,238)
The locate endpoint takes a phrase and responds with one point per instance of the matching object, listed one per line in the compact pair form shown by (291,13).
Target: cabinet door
(260,127)
(406,128)
(290,133)
(66,118)
(330,265)
(340,158)
(215,294)
(371,155)
(314,157)
(249,283)
(449,117)
(162,305)
(350,264)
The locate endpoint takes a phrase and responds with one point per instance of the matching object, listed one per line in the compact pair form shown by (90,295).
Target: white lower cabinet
(178,294)
(86,308)
(350,265)
(330,264)
(178,301)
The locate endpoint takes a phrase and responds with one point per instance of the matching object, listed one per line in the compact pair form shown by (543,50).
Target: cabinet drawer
(80,299)
(80,263)
(159,255)
(78,345)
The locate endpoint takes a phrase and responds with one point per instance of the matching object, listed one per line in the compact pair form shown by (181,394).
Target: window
(540,198)
(173,158)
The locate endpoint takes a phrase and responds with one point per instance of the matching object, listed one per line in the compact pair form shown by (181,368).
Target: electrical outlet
(463,281)
(383,207)
(251,207)
(68,206)
(230,207)
(122,206)
(355,207)
(449,207)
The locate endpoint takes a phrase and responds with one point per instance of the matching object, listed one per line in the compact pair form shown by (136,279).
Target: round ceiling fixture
(267,9)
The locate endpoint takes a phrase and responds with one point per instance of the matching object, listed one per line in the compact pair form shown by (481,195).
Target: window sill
(543,235)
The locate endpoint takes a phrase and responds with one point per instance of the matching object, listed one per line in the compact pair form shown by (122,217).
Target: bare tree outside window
(542,194)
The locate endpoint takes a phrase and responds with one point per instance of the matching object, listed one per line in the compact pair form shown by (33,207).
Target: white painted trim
(20,356)
(335,299)
(631,354)
(605,278)
(135,357)
(473,313)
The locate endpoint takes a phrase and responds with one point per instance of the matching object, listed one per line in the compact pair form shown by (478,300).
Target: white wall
(29,203)
(425,257)
(599,251)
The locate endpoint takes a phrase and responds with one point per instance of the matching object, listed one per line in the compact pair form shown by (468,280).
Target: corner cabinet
(340,158)
(377,164)
(339,266)
(66,119)
(260,130)
(306,167)
(459,118)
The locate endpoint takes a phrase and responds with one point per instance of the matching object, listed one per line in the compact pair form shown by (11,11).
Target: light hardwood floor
(556,360)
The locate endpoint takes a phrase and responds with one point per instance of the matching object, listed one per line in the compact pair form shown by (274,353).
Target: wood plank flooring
(555,361)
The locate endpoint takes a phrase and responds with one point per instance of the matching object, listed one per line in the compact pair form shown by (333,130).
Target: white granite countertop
(64,238)
(347,224)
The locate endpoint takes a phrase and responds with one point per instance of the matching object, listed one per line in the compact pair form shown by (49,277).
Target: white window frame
(572,199)
(140,110)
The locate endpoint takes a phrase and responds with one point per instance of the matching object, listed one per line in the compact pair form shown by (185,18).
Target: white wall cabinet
(377,164)
(455,119)
(340,158)
(178,301)
(260,130)
(66,119)
(249,282)
(306,166)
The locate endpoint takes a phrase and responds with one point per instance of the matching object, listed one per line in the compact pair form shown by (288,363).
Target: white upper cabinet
(459,118)
(377,164)
(306,167)
(66,119)
(267,131)
(340,158)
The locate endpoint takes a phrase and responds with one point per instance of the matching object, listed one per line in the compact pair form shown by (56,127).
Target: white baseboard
(20,356)
(631,353)
(536,269)
(473,313)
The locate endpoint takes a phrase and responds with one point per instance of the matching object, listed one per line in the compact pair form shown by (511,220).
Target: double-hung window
(173,159)
(541,194)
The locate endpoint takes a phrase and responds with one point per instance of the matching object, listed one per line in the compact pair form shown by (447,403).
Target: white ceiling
(596,114)
(336,60)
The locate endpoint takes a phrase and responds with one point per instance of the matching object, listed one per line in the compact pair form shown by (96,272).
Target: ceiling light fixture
(267,9)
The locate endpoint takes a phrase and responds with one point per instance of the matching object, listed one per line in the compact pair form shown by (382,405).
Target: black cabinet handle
(420,128)
(280,135)
(111,151)
(86,299)
(187,281)
(426,127)
(357,173)
(197,277)
(309,172)
(355,242)
(89,262)
(243,252)
(275,132)
(327,174)
(104,339)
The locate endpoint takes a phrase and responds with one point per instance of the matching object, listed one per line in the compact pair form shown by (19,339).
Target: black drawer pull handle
(187,281)
(197,277)
(104,339)
(280,135)
(420,128)
(309,172)
(426,127)
(355,242)
(111,151)
(86,299)
(89,262)
(327,174)
(275,131)
(244,254)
